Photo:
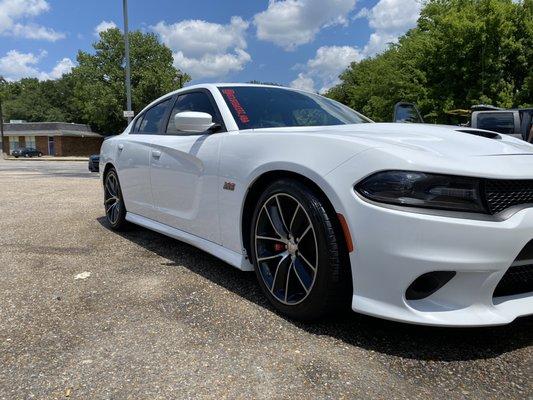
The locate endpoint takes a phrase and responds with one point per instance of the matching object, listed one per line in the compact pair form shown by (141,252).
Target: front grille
(517,280)
(502,194)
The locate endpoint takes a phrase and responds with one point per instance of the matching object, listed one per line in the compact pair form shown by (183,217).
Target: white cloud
(389,19)
(12,11)
(291,23)
(205,49)
(104,26)
(303,82)
(64,66)
(325,67)
(15,65)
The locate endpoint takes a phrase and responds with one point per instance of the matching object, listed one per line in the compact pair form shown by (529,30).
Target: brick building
(52,138)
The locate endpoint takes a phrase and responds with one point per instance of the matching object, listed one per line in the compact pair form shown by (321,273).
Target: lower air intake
(517,280)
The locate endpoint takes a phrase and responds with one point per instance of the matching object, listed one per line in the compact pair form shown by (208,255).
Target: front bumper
(394,247)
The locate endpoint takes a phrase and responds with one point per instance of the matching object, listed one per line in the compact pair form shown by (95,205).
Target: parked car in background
(26,152)
(422,223)
(514,122)
(94,162)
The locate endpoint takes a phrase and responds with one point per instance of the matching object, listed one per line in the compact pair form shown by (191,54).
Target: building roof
(49,129)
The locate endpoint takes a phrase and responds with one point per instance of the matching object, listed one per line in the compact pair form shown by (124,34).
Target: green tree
(32,100)
(98,82)
(462,52)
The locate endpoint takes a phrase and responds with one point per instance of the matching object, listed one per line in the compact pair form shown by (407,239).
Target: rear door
(184,170)
(133,155)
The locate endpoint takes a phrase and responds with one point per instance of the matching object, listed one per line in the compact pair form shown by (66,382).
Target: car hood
(441,140)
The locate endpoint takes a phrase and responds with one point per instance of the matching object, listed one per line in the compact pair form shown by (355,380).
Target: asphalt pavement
(87,313)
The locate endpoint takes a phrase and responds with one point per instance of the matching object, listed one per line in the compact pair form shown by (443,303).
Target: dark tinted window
(498,122)
(137,124)
(406,113)
(153,118)
(196,101)
(265,107)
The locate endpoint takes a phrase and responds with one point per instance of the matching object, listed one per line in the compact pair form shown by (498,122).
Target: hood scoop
(485,134)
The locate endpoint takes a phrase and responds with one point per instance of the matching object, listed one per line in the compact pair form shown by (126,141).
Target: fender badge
(229,186)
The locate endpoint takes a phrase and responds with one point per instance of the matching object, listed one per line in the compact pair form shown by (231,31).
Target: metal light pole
(2,82)
(127,48)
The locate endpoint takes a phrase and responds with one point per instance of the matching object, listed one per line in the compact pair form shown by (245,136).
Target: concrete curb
(80,159)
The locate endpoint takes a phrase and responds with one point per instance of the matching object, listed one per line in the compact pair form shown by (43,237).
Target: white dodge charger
(419,223)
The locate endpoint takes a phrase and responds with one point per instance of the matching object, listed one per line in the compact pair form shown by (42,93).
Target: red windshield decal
(230,94)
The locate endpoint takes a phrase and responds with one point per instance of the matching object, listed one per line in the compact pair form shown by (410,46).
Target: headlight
(418,189)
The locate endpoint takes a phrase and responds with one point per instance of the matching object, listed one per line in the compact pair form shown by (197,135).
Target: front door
(51,146)
(184,169)
(133,155)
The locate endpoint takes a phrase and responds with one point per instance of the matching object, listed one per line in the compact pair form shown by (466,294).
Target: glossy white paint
(178,191)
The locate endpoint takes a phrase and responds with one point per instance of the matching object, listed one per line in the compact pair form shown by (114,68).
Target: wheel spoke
(280,240)
(299,278)
(300,255)
(276,273)
(309,227)
(271,257)
(276,228)
(281,215)
(287,280)
(108,187)
(294,217)
(111,199)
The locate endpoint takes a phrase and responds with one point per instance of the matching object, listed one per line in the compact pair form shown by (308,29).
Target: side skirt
(235,259)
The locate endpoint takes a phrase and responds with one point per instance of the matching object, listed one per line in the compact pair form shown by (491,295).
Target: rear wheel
(115,210)
(296,252)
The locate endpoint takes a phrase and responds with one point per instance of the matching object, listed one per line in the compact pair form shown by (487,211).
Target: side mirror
(407,113)
(192,121)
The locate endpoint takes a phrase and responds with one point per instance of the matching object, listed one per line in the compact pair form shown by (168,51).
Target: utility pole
(127,48)
(1,129)
(2,82)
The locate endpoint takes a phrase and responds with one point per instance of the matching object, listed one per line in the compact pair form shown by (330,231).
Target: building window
(30,141)
(13,143)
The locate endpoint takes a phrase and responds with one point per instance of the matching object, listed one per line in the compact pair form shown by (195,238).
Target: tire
(40,155)
(283,255)
(113,202)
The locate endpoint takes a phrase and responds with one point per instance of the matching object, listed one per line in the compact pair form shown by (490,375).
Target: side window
(153,118)
(498,122)
(196,101)
(137,124)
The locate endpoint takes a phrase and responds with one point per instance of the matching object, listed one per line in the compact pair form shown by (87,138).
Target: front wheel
(115,210)
(298,258)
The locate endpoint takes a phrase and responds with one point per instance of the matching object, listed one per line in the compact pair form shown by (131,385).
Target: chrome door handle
(121,146)
(156,153)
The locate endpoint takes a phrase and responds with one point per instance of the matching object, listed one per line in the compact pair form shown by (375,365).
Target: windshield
(256,107)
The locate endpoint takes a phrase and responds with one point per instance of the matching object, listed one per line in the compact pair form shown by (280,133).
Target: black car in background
(94,161)
(26,152)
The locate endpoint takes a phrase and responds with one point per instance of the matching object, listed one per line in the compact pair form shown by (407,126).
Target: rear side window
(497,122)
(195,101)
(153,118)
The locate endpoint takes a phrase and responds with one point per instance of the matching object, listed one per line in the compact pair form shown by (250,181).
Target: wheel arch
(255,190)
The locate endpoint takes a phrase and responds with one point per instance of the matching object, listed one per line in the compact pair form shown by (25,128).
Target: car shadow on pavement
(392,338)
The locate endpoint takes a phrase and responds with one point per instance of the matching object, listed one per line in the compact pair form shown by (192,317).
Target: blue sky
(302,43)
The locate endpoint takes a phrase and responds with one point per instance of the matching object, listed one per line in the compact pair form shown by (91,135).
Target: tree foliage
(99,79)
(94,91)
(462,52)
